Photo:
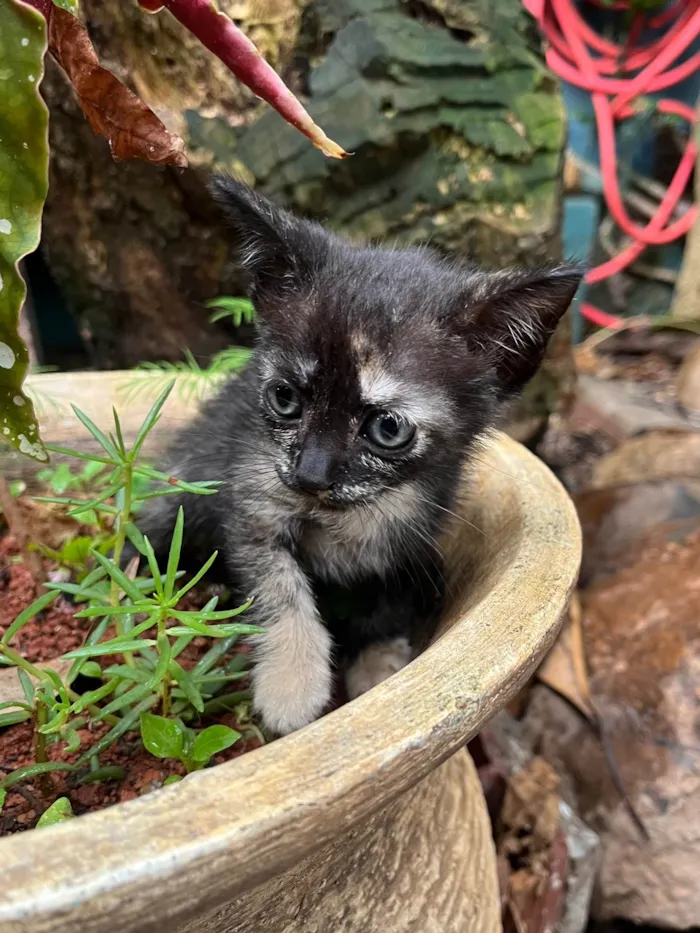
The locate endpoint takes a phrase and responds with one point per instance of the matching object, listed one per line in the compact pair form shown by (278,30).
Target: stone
(641,633)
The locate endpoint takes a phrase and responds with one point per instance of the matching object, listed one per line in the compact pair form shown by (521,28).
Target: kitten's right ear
(277,249)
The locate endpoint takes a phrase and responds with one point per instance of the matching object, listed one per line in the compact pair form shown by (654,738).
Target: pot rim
(223,830)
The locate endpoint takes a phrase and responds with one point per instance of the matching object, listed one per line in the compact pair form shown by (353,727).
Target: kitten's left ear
(509,316)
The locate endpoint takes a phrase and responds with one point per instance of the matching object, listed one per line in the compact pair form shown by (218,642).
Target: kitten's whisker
(426,538)
(436,505)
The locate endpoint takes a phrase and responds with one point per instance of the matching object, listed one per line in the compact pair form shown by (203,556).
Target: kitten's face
(370,391)
(379,368)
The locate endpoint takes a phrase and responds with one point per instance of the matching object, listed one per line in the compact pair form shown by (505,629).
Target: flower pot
(370,819)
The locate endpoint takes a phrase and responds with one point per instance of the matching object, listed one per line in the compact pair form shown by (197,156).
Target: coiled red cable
(583,58)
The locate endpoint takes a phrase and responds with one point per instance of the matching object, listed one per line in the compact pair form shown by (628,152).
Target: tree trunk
(457,136)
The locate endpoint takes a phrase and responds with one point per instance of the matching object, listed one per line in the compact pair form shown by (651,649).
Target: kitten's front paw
(375,664)
(292,678)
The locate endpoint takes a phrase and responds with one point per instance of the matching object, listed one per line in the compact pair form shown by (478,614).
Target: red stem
(216,31)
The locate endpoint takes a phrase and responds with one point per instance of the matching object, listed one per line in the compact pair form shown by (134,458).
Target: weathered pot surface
(359,815)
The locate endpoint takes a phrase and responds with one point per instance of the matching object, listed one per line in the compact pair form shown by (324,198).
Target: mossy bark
(456,131)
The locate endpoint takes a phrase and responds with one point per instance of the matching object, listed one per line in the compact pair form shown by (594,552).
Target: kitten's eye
(284,400)
(388,430)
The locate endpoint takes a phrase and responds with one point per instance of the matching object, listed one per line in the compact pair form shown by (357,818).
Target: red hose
(583,58)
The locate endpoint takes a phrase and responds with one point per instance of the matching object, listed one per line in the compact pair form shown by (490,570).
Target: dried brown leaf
(565,671)
(113,111)
(564,668)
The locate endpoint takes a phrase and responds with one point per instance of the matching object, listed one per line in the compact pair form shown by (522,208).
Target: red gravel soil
(50,635)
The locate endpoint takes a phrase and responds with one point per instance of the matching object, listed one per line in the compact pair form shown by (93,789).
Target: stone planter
(371,819)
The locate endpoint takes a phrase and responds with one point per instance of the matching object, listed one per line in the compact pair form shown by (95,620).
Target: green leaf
(132,695)
(226,701)
(99,502)
(15,704)
(223,614)
(93,612)
(118,432)
(214,655)
(94,577)
(124,725)
(71,738)
(31,771)
(98,651)
(3,796)
(81,592)
(57,683)
(78,454)
(11,719)
(59,811)
(213,740)
(108,773)
(93,638)
(153,564)
(220,678)
(91,669)
(164,651)
(124,583)
(150,419)
(195,579)
(27,685)
(174,554)
(72,6)
(240,310)
(94,696)
(188,685)
(24,167)
(136,538)
(134,674)
(99,435)
(173,779)
(182,642)
(91,471)
(162,737)
(28,614)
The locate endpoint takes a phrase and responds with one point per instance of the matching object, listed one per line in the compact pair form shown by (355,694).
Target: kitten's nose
(314,470)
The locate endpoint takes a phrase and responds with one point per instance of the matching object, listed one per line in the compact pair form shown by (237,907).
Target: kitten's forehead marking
(382,389)
(304,367)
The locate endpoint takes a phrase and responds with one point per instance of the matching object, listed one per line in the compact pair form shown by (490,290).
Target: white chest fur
(367,539)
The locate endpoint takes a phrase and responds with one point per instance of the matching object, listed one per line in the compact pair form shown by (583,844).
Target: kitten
(341,444)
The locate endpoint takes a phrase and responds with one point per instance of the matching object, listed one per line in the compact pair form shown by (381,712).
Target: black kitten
(341,445)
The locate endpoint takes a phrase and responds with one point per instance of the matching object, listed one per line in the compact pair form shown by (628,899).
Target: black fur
(444,345)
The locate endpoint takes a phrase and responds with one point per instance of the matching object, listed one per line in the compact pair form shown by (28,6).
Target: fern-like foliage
(192,381)
(240,310)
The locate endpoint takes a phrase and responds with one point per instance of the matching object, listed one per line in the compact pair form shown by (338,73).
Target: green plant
(59,811)
(140,619)
(240,310)
(62,478)
(171,738)
(191,380)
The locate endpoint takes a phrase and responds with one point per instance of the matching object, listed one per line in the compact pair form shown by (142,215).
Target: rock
(659,454)
(688,381)
(618,521)
(641,629)
(630,406)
